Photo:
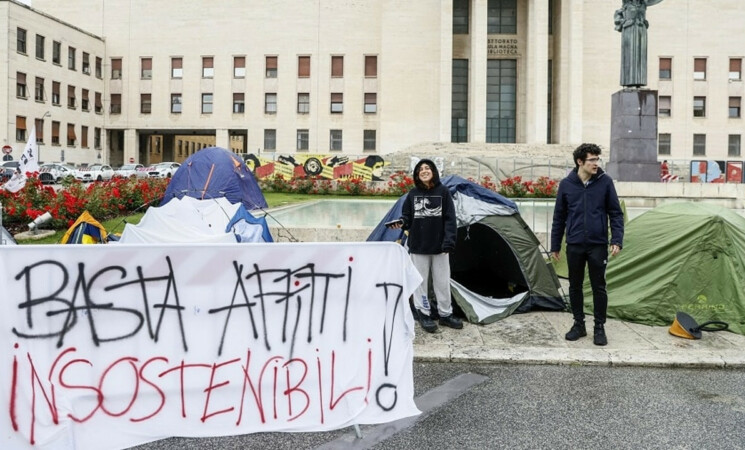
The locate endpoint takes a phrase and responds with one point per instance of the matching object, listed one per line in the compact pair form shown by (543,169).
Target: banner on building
(330,167)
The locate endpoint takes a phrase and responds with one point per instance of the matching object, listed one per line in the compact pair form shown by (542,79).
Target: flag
(28,162)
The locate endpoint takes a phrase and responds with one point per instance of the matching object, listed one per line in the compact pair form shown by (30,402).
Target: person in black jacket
(585,203)
(429,215)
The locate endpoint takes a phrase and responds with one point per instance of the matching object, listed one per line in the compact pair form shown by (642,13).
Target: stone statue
(631,21)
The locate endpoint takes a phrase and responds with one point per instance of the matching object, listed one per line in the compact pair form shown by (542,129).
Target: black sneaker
(426,322)
(599,336)
(452,322)
(578,330)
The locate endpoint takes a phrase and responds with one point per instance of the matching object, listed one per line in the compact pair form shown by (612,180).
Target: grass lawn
(273,199)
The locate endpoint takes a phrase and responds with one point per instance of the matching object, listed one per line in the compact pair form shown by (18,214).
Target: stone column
(633,136)
(537,77)
(131,146)
(446,69)
(477,72)
(222,139)
(568,72)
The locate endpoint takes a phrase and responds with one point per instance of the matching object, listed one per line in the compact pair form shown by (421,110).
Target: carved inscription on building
(500,47)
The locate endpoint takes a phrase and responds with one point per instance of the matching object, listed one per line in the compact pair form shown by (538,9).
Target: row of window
(501,16)
(40,94)
(369,140)
(699,106)
(370,105)
(699,69)
(21,40)
(271,67)
(664,144)
(72,137)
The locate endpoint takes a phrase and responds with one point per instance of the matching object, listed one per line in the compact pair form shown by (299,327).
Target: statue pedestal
(633,136)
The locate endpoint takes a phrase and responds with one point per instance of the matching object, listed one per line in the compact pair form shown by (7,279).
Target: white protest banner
(28,163)
(111,346)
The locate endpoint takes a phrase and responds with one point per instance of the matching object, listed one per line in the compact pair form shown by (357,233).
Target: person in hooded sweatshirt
(429,215)
(585,203)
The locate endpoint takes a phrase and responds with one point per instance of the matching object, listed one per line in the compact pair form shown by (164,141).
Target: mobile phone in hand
(394,222)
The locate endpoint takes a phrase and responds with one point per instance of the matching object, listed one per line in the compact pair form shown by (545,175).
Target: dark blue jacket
(584,211)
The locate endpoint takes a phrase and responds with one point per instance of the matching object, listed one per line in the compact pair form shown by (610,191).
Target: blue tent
(214,172)
(497,267)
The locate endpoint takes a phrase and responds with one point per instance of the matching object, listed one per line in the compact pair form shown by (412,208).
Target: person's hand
(614,249)
(396,225)
(555,255)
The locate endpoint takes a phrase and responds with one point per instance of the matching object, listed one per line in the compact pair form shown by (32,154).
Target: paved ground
(538,338)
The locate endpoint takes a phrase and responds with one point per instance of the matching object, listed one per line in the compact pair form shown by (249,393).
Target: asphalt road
(528,406)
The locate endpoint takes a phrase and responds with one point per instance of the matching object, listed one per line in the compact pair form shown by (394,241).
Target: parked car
(51,173)
(9,167)
(95,172)
(163,170)
(128,170)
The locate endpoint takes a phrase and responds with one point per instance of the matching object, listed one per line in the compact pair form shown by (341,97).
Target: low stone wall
(637,194)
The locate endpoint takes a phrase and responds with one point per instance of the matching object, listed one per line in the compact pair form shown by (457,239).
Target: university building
(156,81)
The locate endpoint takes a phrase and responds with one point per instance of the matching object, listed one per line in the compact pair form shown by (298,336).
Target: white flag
(29,161)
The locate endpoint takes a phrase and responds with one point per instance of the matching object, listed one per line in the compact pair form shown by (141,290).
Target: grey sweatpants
(440,267)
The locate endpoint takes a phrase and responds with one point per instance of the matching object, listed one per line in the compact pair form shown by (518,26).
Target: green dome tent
(686,257)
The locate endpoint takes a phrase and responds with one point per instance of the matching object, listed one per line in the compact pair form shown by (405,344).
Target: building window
(84,136)
(303,66)
(39,46)
(71,58)
(699,68)
(176,103)
(97,138)
(270,103)
(664,110)
(20,128)
(56,52)
(337,66)
(146,68)
(337,102)
(86,63)
(734,107)
(460,16)
(369,141)
(239,67)
(459,108)
(146,105)
(666,68)
(39,89)
(335,140)
(271,67)
(663,143)
(71,138)
(239,106)
(116,68)
(270,139)
(302,139)
(85,104)
(502,17)
(99,65)
(303,103)
(21,40)
(371,103)
(371,66)
(733,146)
(99,103)
(699,145)
(699,106)
(501,100)
(56,93)
(735,69)
(71,97)
(39,126)
(176,68)
(55,133)
(20,85)
(208,69)
(206,103)
(116,103)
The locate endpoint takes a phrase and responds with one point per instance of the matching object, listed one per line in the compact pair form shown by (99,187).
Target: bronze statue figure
(631,21)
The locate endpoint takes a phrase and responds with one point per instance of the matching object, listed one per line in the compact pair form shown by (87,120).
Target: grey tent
(5,237)
(497,267)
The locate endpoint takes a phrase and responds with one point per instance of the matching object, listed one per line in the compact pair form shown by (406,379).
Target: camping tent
(497,267)
(686,257)
(215,172)
(6,238)
(85,230)
(188,220)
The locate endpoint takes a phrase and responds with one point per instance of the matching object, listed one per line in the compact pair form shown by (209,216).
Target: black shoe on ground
(599,336)
(426,322)
(578,330)
(452,322)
